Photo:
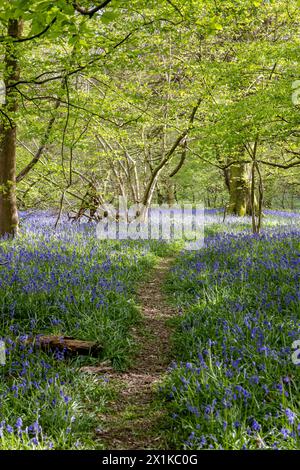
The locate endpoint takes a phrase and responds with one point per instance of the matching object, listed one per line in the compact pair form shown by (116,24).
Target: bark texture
(8,203)
(238,182)
(239,190)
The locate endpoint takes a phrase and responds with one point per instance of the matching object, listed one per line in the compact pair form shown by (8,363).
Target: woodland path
(134,420)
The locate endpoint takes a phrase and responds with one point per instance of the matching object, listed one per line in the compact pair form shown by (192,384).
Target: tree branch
(41,149)
(36,36)
(170,153)
(181,161)
(92,11)
(175,7)
(63,75)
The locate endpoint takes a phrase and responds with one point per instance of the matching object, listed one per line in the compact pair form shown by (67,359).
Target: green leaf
(108,16)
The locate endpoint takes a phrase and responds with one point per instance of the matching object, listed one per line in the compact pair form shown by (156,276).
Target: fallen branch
(66,344)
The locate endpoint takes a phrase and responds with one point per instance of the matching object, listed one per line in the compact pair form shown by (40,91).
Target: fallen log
(66,344)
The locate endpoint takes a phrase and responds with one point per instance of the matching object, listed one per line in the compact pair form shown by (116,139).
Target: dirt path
(134,421)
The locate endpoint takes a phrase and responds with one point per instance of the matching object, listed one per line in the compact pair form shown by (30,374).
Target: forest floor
(135,420)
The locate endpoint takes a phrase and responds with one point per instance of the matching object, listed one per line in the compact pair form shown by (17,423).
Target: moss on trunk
(239,190)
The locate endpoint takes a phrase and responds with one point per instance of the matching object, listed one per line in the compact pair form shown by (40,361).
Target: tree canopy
(138,97)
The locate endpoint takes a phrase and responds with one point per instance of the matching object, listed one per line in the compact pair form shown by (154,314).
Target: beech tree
(89,40)
(144,99)
(36,18)
(8,203)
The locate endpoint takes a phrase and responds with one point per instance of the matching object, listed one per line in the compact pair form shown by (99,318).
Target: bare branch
(175,7)
(84,11)
(169,154)
(278,165)
(40,150)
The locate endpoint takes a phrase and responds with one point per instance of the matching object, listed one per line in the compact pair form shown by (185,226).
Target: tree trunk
(171,195)
(239,183)
(8,203)
(166,194)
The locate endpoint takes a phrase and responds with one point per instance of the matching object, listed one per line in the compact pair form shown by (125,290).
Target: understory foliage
(234,384)
(104,101)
